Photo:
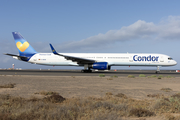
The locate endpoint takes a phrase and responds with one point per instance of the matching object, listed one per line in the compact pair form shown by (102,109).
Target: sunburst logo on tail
(22,47)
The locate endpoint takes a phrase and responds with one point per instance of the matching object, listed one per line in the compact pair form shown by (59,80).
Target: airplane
(96,61)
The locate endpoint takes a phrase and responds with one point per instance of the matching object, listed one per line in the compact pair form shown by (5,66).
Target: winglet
(53,50)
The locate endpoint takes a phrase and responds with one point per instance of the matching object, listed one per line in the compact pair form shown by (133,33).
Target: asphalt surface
(119,73)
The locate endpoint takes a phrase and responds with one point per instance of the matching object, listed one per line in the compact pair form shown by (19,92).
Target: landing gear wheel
(157,72)
(86,71)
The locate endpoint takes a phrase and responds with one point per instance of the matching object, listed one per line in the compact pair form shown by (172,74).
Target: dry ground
(69,87)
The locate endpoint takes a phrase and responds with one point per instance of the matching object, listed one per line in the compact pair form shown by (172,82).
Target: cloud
(166,29)
(169,28)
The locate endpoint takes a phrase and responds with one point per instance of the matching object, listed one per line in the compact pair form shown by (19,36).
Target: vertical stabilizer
(24,48)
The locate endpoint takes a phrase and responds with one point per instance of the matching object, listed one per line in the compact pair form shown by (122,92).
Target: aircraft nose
(175,63)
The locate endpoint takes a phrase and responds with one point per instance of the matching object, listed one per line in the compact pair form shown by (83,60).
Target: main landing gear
(158,70)
(86,71)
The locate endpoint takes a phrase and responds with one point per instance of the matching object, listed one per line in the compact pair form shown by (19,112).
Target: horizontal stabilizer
(16,55)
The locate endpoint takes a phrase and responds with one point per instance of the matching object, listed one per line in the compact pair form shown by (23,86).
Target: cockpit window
(170,59)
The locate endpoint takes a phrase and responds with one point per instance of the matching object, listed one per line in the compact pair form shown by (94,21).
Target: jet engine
(101,66)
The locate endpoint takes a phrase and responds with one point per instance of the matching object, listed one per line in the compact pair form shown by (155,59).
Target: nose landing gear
(158,70)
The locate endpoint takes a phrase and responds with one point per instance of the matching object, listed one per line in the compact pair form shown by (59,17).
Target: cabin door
(161,59)
(131,59)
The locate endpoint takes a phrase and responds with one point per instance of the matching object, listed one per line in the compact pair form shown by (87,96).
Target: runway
(123,73)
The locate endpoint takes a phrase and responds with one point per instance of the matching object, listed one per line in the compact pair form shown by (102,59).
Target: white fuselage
(126,59)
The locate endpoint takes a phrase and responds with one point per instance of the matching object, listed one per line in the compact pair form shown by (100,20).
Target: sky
(91,26)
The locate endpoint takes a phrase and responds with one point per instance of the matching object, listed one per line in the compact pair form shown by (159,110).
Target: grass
(153,76)
(56,107)
(109,93)
(142,75)
(139,112)
(155,95)
(121,95)
(177,95)
(115,76)
(46,93)
(170,76)
(110,79)
(101,75)
(131,76)
(160,76)
(167,105)
(108,107)
(166,89)
(55,98)
(10,85)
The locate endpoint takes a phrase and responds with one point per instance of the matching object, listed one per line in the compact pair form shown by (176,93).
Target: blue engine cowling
(100,66)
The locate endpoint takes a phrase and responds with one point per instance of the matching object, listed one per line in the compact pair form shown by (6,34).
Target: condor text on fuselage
(145,58)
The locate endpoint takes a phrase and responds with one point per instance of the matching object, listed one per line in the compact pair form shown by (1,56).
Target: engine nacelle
(101,66)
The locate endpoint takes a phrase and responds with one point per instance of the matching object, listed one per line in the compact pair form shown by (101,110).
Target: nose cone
(174,62)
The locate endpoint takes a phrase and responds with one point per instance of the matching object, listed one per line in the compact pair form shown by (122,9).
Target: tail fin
(23,46)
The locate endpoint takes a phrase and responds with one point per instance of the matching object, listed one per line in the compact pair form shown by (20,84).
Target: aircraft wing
(72,58)
(16,55)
